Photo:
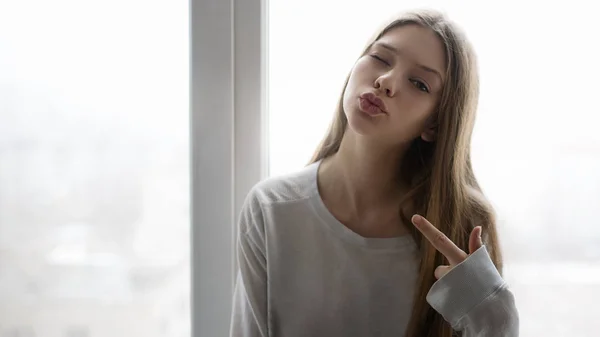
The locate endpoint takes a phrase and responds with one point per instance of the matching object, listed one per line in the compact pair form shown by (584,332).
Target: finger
(475,241)
(439,240)
(441,271)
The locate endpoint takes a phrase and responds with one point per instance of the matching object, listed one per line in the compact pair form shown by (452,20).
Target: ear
(429,135)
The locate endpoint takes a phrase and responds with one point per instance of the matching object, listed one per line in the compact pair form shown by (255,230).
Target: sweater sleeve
(249,312)
(475,300)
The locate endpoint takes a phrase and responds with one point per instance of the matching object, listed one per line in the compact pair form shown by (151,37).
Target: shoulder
(279,191)
(291,187)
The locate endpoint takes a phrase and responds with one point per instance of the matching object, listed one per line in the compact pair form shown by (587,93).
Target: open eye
(380,59)
(420,85)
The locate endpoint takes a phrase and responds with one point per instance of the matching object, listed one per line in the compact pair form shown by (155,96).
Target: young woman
(383,233)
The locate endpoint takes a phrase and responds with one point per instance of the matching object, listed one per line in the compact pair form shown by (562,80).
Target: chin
(363,124)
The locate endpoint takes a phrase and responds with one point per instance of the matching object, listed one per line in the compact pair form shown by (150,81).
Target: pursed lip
(371,97)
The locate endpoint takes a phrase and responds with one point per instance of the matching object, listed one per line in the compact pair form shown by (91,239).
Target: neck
(363,174)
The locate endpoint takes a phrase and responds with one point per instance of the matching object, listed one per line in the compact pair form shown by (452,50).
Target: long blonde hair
(442,184)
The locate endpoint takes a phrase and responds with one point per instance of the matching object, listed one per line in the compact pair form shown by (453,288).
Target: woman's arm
(249,314)
(470,293)
(475,300)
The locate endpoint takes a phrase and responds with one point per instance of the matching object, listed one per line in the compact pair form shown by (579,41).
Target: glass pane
(536,150)
(94,200)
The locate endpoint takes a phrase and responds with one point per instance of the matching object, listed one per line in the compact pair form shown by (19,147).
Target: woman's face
(403,70)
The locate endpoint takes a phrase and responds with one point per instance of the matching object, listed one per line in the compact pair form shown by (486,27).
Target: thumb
(441,271)
(475,241)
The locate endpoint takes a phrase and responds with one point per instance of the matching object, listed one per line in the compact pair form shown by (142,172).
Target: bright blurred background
(94,168)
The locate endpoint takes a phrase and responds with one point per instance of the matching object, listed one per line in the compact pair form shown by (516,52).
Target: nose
(387,84)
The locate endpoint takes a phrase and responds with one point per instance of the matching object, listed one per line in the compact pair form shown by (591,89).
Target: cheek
(410,119)
(350,93)
(360,75)
(358,81)
(420,107)
(349,104)
(415,109)
(414,103)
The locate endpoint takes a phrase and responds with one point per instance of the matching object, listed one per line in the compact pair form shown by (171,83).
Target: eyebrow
(395,50)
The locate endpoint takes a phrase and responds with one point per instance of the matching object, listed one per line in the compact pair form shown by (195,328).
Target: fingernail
(416,218)
(480,231)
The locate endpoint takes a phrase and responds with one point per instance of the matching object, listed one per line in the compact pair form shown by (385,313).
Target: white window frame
(228,145)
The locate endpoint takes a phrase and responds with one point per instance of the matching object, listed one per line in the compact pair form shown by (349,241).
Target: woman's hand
(443,244)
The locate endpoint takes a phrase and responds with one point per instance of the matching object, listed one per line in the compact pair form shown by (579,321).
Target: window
(94,168)
(536,150)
